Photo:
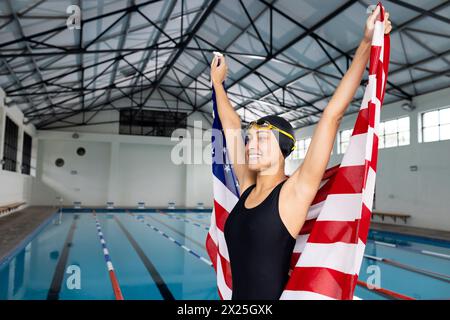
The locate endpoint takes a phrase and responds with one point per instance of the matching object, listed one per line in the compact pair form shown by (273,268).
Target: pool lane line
(386,244)
(197,243)
(424,252)
(58,274)
(185,216)
(112,274)
(380,291)
(435,275)
(385,292)
(184,220)
(165,235)
(435,254)
(162,286)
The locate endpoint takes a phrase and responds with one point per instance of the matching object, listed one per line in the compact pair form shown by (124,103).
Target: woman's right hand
(219,70)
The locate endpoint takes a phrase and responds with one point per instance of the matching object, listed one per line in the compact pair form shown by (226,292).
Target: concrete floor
(16,226)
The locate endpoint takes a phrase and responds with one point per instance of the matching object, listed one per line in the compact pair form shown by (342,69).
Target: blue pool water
(161,255)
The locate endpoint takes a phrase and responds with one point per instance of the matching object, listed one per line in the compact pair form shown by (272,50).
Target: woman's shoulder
(247,190)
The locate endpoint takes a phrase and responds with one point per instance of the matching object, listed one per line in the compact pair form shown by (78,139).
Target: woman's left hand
(370,24)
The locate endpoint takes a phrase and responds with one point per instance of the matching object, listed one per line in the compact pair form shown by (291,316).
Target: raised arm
(302,186)
(231,124)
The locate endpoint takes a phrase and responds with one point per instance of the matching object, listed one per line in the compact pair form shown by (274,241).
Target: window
(301,147)
(394,133)
(343,140)
(150,122)
(10,145)
(435,125)
(26,153)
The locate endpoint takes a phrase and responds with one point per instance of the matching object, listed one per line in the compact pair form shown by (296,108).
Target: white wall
(87,185)
(15,186)
(147,174)
(424,194)
(119,168)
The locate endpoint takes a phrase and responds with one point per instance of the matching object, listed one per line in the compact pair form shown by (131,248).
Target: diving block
(141,205)
(200,205)
(77,204)
(171,205)
(110,205)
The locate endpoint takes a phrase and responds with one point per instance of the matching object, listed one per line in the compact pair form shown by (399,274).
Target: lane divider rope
(386,292)
(109,265)
(382,291)
(435,275)
(425,252)
(165,235)
(184,220)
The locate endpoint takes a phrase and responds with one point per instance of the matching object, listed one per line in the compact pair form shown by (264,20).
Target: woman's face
(262,150)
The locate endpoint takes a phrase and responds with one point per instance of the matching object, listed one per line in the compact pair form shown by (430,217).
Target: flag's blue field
(161,255)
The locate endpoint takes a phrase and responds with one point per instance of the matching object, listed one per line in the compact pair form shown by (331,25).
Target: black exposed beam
(182,46)
(269,57)
(63,27)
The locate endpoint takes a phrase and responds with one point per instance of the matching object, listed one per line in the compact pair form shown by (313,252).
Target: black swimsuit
(259,247)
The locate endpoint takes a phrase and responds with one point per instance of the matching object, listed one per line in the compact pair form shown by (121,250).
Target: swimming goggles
(266,125)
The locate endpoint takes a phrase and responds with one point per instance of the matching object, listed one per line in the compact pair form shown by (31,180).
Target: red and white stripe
(112,274)
(330,247)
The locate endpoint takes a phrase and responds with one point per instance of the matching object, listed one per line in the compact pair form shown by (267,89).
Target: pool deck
(16,226)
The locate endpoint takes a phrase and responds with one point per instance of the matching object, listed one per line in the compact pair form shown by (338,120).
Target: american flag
(329,248)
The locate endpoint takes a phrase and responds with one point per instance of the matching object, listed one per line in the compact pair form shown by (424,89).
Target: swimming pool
(150,254)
